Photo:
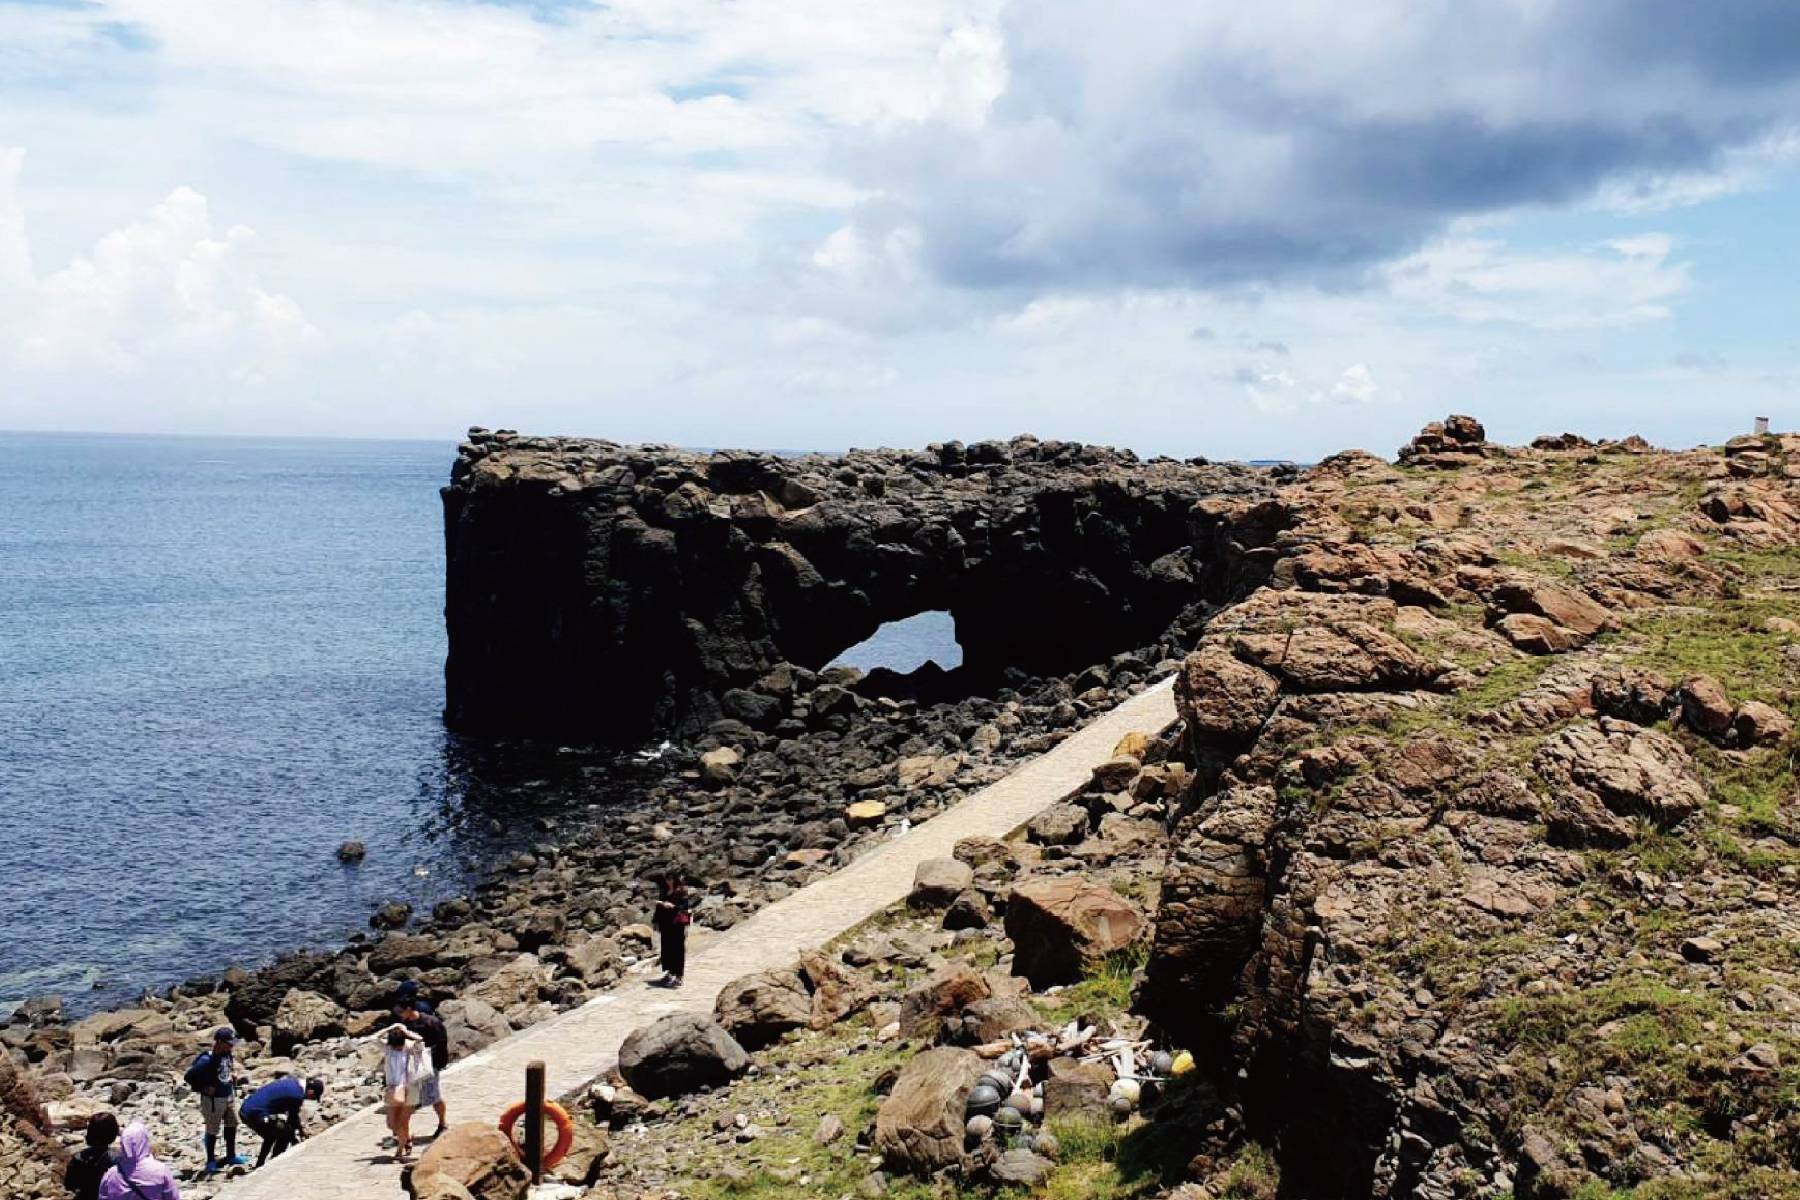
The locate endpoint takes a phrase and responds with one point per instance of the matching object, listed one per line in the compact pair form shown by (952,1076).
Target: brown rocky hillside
(1488,884)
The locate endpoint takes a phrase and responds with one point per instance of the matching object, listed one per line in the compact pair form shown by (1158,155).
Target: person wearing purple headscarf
(138,1175)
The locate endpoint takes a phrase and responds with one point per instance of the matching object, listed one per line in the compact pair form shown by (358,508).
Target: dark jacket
(86,1170)
(437,1038)
(670,919)
(282,1098)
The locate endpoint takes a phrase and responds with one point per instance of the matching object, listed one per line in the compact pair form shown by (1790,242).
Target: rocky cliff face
(599,592)
(1487,885)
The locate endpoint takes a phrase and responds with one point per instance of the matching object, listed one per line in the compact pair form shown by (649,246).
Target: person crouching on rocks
(273,1111)
(427,1025)
(214,1078)
(672,921)
(90,1165)
(138,1175)
(405,1065)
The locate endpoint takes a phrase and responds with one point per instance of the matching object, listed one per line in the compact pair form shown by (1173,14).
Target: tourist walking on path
(427,1025)
(214,1077)
(94,1160)
(405,1065)
(672,921)
(273,1111)
(138,1175)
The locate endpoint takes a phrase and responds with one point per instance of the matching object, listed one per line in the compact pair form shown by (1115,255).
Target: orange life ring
(565,1130)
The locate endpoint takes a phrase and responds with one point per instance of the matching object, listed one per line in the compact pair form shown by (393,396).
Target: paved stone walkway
(346,1162)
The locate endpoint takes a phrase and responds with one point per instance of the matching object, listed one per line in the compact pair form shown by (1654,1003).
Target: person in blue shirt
(273,1111)
(214,1077)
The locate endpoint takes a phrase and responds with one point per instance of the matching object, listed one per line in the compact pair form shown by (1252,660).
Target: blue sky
(1188,229)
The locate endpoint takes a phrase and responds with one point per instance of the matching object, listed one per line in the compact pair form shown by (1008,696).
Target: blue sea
(219,659)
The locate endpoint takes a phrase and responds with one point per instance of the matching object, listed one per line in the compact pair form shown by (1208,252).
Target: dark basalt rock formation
(605,593)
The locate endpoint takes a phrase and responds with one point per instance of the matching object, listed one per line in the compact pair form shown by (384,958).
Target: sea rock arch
(605,593)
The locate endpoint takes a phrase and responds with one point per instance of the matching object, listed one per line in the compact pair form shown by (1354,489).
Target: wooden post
(534,1120)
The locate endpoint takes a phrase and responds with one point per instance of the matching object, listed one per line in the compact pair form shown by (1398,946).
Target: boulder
(1759,724)
(982,851)
(596,961)
(1222,701)
(1020,1168)
(74,1112)
(946,994)
(305,1017)
(837,991)
(968,911)
(1350,655)
(115,1026)
(392,915)
(864,813)
(515,985)
(1536,635)
(919,1127)
(1058,825)
(998,1017)
(1669,546)
(938,881)
(398,951)
(1118,773)
(1573,611)
(255,997)
(1704,706)
(476,1158)
(1641,697)
(719,767)
(757,1009)
(587,1155)
(1632,771)
(1078,1090)
(472,1024)
(1064,927)
(680,1054)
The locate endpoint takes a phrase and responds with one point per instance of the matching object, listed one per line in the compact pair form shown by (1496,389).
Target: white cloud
(1624,281)
(165,298)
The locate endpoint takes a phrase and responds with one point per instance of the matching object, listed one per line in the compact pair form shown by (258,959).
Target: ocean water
(219,659)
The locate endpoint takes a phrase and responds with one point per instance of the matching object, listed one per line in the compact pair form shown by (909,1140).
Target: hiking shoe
(237,1160)
(214,1166)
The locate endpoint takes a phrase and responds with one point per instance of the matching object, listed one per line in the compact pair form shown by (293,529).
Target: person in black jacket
(672,921)
(90,1164)
(429,1026)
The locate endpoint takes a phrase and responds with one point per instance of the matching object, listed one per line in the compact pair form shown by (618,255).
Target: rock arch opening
(906,645)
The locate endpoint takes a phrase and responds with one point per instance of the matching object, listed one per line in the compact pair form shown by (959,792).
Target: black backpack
(202,1075)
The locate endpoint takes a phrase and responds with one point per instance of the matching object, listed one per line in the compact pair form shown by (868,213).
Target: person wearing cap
(214,1077)
(273,1111)
(407,995)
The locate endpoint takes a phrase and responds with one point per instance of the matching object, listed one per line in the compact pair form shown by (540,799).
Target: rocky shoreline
(749,815)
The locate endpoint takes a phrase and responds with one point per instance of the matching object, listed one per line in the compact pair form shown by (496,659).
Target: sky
(1243,231)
